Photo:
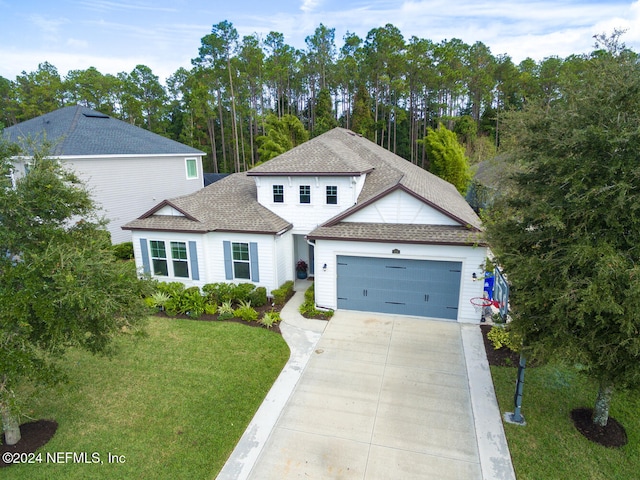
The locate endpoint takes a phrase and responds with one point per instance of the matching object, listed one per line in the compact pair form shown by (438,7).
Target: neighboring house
(127,169)
(379,233)
(210,178)
(489,179)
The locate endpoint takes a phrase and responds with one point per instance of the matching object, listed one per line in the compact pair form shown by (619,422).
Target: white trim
(171,276)
(122,155)
(186,168)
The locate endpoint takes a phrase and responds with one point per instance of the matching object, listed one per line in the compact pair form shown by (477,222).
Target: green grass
(174,403)
(549,447)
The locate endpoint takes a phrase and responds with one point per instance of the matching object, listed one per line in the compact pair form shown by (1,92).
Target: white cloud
(76,43)
(309,5)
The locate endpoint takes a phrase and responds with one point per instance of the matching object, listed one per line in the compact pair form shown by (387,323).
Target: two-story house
(379,233)
(127,169)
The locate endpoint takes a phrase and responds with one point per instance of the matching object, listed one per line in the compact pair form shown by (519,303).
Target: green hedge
(280,295)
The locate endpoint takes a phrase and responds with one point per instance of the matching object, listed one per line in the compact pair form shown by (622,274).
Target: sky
(116,35)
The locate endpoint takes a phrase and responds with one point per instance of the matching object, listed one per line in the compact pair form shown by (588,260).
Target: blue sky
(116,35)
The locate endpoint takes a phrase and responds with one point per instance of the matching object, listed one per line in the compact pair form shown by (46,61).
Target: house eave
(167,230)
(308,174)
(398,242)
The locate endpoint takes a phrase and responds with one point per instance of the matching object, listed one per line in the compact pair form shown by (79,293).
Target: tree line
(390,89)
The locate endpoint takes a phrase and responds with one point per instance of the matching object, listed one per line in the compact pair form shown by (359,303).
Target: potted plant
(301,269)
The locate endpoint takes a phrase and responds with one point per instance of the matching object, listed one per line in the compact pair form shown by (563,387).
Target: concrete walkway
(370,396)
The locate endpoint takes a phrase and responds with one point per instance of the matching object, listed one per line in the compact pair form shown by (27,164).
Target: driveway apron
(382,397)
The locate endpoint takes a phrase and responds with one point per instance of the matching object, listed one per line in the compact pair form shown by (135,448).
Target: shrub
(173,289)
(225,310)
(150,302)
(270,318)
(280,295)
(240,293)
(501,336)
(258,297)
(159,299)
(219,292)
(246,312)
(172,306)
(191,302)
(210,308)
(308,307)
(123,251)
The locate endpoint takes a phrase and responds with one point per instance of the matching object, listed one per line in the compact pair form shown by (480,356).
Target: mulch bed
(612,435)
(214,318)
(34,435)
(502,357)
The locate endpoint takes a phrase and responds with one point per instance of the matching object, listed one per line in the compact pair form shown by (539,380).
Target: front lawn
(549,446)
(173,404)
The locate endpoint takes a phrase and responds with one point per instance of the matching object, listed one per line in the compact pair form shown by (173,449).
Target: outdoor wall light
(324,267)
(395,250)
(474,277)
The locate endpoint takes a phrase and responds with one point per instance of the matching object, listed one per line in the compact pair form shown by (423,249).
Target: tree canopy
(384,86)
(567,228)
(60,284)
(447,157)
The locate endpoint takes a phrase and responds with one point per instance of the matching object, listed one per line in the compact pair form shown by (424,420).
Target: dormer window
(332,195)
(278,193)
(305,193)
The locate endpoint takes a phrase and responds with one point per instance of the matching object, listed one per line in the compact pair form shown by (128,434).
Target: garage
(424,288)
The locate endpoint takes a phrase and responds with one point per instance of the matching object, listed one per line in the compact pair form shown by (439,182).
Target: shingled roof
(231,204)
(228,205)
(80,131)
(341,151)
(399,233)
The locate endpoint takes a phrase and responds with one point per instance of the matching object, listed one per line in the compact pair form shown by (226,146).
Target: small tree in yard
(567,230)
(447,157)
(60,285)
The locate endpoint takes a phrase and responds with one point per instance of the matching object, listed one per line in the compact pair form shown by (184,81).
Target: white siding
(211,256)
(471,257)
(400,207)
(283,250)
(126,187)
(172,237)
(306,217)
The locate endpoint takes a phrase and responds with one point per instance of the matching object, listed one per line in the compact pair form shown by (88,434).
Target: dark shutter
(253,256)
(193,258)
(146,267)
(228,262)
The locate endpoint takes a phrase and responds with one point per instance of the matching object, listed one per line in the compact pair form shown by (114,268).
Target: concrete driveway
(380,397)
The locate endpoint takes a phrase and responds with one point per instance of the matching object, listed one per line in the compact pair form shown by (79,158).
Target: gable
(399,207)
(169,210)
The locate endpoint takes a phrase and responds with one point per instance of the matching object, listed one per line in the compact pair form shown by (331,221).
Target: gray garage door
(409,287)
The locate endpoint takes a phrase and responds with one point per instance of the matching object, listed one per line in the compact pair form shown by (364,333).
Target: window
(241,265)
(278,193)
(332,195)
(179,265)
(159,258)
(192,168)
(179,258)
(305,193)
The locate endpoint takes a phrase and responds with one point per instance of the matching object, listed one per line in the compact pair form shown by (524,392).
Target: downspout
(313,244)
